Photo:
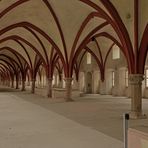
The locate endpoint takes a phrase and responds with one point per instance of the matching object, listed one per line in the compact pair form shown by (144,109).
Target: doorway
(89,83)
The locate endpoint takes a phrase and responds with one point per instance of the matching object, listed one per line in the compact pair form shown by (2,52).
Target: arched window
(57,80)
(72,82)
(53,80)
(44,81)
(88,58)
(146,77)
(115,52)
(126,78)
(83,80)
(64,84)
(113,78)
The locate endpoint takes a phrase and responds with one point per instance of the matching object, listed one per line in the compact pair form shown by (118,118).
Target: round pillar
(23,85)
(17,84)
(12,83)
(33,86)
(102,87)
(49,87)
(135,81)
(68,87)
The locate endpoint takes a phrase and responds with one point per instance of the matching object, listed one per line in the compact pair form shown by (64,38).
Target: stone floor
(33,121)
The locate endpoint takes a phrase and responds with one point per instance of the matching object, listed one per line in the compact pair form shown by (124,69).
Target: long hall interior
(70,70)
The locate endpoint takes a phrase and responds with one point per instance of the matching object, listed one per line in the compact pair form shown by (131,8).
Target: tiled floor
(32,121)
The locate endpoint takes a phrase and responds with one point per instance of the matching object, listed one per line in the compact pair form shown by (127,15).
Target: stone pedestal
(102,87)
(68,87)
(33,86)
(135,81)
(49,87)
(23,85)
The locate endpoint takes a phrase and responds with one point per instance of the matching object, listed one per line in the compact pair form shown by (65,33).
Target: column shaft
(49,87)
(12,83)
(17,84)
(33,86)
(102,87)
(23,85)
(135,81)
(68,87)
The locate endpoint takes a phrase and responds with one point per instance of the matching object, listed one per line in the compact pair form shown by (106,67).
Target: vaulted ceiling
(59,30)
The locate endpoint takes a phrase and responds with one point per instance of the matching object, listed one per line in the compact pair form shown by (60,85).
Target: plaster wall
(119,66)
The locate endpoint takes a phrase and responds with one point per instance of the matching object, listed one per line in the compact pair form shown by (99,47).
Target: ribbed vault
(56,34)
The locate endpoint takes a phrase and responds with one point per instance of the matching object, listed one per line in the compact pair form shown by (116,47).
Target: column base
(69,100)
(137,115)
(23,89)
(102,93)
(49,96)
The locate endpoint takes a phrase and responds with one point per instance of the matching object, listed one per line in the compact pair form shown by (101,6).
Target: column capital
(135,79)
(68,79)
(33,79)
(50,79)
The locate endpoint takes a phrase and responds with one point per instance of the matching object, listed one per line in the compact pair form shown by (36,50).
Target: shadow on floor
(87,111)
(102,113)
(5,89)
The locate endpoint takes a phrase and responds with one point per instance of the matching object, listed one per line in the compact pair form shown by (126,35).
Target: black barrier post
(125,129)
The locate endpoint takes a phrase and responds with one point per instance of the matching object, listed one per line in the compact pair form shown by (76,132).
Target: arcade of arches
(76,47)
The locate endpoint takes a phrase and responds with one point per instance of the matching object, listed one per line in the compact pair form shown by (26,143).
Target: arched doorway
(89,82)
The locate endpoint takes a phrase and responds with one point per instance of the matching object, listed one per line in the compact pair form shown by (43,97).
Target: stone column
(135,81)
(102,87)
(8,83)
(3,82)
(33,86)
(17,84)
(68,91)
(12,83)
(49,87)
(23,85)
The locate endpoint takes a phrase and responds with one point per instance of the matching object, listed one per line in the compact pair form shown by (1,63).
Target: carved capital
(33,79)
(68,80)
(49,79)
(135,79)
